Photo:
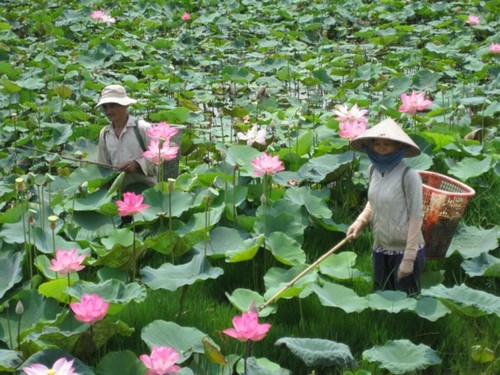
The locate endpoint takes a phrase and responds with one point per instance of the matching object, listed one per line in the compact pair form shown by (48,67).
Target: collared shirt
(115,150)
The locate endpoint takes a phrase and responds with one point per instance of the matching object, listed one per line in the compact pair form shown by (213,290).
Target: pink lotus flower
(131,204)
(159,154)
(67,261)
(100,16)
(265,164)
(61,367)
(254,135)
(186,16)
(494,48)
(247,327)
(161,361)
(473,20)
(351,131)
(90,309)
(162,132)
(354,114)
(414,102)
(352,122)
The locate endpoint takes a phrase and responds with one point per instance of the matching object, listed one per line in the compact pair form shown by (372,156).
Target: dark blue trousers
(385,270)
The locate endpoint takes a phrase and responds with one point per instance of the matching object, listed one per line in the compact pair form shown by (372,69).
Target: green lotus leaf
(165,204)
(47,243)
(285,249)
(48,357)
(11,271)
(318,352)
(472,242)
(391,301)
(471,167)
(465,301)
(426,80)
(55,289)
(124,362)
(241,156)
(261,366)
(313,200)
(431,308)
(118,250)
(171,277)
(245,299)
(339,296)
(483,265)
(341,267)
(224,241)
(185,340)
(402,356)
(9,360)
(38,312)
(93,201)
(91,175)
(78,340)
(164,243)
(283,222)
(474,100)
(323,168)
(277,278)
(91,225)
(12,215)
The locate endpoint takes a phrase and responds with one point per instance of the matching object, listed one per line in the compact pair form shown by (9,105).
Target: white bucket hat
(115,94)
(387,129)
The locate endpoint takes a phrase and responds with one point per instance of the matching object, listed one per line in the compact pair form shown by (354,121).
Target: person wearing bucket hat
(394,208)
(123,141)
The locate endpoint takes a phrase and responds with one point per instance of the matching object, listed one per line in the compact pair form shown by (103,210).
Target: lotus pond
(263,91)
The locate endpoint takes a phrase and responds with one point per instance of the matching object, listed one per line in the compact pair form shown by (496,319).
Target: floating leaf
(402,356)
(11,271)
(319,352)
(466,301)
(471,241)
(171,277)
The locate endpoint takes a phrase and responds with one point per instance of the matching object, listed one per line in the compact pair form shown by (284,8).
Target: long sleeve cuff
(414,229)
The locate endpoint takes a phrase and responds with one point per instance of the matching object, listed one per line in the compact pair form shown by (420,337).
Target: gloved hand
(361,221)
(355,229)
(405,268)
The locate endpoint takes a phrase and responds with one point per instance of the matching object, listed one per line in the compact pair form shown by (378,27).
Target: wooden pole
(71,159)
(300,275)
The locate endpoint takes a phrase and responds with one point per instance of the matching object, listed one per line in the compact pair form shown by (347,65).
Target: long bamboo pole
(300,275)
(70,158)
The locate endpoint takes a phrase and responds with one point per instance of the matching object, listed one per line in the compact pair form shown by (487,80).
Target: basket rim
(468,191)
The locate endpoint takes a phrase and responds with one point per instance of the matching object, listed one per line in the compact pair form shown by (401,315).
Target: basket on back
(444,201)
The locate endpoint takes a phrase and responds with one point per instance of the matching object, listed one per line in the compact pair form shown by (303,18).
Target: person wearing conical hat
(123,141)
(394,208)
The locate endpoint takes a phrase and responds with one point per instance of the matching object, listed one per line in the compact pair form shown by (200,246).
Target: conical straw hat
(387,129)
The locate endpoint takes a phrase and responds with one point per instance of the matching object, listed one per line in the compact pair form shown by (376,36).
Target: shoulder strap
(138,135)
(407,168)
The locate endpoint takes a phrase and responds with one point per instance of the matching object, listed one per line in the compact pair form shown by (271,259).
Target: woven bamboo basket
(444,203)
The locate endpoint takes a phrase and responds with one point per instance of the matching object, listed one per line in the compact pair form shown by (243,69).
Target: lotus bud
(19,308)
(263,199)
